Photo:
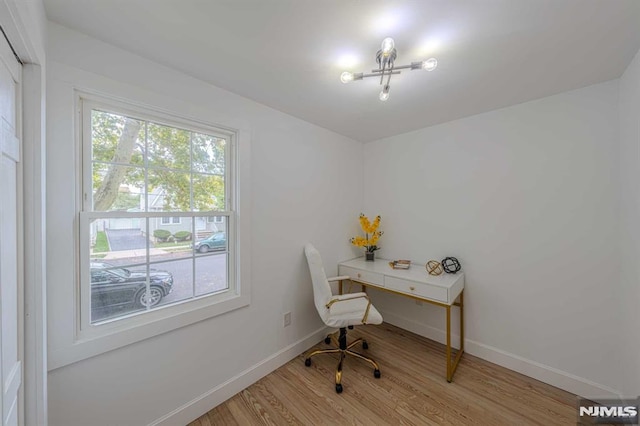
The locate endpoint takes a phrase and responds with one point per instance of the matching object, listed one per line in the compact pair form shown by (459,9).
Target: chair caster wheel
(350,327)
(338,388)
(307,362)
(327,340)
(376,374)
(365,345)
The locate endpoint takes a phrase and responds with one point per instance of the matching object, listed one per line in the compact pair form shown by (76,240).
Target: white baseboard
(544,373)
(216,396)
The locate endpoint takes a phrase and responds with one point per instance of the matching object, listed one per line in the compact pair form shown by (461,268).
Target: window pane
(211,250)
(210,236)
(118,238)
(169,191)
(208,192)
(168,147)
(116,138)
(211,273)
(172,240)
(117,187)
(182,286)
(116,289)
(208,154)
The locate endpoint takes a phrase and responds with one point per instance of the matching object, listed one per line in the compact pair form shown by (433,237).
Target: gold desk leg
(462,321)
(453,365)
(449,344)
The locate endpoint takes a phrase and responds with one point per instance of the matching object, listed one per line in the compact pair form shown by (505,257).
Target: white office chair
(340,311)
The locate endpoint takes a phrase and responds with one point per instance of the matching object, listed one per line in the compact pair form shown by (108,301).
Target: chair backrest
(321,288)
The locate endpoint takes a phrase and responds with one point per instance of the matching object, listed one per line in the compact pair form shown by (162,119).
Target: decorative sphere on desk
(450,265)
(434,267)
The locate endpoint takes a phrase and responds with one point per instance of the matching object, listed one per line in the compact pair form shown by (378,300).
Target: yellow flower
(364,223)
(358,241)
(372,235)
(375,224)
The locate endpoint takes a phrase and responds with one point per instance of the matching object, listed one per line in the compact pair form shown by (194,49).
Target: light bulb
(346,77)
(430,64)
(384,94)
(387,45)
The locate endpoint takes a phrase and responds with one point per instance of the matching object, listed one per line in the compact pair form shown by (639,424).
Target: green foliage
(161,234)
(182,235)
(102,244)
(126,201)
(185,168)
(106,129)
(105,134)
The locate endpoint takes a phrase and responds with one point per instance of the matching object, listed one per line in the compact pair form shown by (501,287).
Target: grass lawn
(176,244)
(102,244)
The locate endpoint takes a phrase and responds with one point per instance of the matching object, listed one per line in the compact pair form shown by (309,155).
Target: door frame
(24,25)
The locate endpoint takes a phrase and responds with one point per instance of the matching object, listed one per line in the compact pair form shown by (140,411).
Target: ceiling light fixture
(386,57)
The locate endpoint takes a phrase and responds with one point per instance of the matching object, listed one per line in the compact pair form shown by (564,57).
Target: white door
(10,285)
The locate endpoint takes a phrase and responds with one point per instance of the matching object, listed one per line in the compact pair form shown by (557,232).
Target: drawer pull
(412,288)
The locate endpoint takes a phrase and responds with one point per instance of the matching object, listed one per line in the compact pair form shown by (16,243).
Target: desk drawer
(360,275)
(427,291)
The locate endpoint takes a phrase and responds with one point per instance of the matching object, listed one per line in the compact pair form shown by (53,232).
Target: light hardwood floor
(412,390)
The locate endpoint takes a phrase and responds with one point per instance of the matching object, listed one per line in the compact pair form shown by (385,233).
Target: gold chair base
(343,354)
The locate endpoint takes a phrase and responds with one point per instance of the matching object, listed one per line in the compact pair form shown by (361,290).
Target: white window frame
(89,339)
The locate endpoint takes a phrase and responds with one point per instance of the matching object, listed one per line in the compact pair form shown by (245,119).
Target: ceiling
(289,54)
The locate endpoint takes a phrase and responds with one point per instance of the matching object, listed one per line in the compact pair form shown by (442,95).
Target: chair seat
(350,311)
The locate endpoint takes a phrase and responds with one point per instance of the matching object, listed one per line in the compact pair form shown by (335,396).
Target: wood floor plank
(220,416)
(411,391)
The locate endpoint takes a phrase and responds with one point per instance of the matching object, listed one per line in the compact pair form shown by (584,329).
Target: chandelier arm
(401,67)
(378,74)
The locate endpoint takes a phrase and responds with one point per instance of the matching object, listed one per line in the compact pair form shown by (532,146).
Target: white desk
(414,283)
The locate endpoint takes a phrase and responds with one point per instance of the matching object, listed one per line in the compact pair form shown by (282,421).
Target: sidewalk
(122,254)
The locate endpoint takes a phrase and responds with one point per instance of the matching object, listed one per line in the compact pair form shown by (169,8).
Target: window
(151,186)
(170,220)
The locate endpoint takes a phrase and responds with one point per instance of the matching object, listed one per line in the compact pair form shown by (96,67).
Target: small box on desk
(400,264)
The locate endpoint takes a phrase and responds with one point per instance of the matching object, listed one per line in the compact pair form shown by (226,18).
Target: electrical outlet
(287,319)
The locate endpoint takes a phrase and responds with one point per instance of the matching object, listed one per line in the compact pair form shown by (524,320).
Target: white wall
(306,185)
(629,229)
(526,197)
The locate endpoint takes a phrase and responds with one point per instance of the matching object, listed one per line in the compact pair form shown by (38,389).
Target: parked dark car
(216,241)
(113,287)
